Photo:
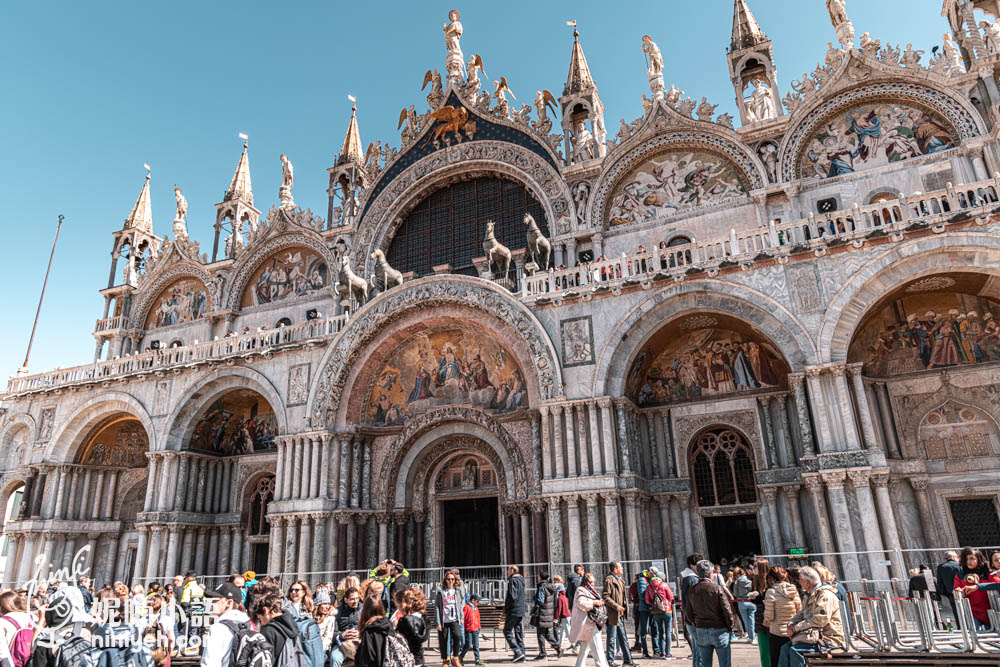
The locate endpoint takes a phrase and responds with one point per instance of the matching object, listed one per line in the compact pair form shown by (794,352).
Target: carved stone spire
(240,187)
(351,150)
(579,79)
(746,31)
(141,217)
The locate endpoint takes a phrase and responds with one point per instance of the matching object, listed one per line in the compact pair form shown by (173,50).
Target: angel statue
(472,82)
(454,60)
(409,117)
(991,35)
(673,95)
(500,90)
(543,99)
(436,97)
(654,66)
(287,177)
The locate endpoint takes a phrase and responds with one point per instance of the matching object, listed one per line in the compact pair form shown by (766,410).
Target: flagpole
(24,368)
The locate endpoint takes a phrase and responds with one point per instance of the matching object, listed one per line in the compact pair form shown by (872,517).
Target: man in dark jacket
(545,606)
(615,596)
(348,615)
(689,579)
(946,572)
(708,610)
(513,610)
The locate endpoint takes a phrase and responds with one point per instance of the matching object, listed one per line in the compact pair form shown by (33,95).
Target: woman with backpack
(660,599)
(17,628)
(411,625)
(375,635)
(589,618)
(449,614)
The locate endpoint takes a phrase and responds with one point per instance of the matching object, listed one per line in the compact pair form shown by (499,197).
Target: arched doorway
(466,489)
(722,478)
(258,530)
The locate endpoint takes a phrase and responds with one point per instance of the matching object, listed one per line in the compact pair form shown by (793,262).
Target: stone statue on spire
(760,105)
(287,178)
(842,24)
(654,66)
(180,219)
(454,59)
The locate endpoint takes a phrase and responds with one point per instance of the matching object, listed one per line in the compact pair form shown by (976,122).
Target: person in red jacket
(561,612)
(660,599)
(472,627)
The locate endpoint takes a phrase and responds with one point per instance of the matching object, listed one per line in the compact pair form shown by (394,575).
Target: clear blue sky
(91,90)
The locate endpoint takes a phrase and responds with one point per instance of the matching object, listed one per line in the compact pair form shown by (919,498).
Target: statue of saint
(650,48)
(182,205)
(760,105)
(454,60)
(838,13)
(287,173)
(991,35)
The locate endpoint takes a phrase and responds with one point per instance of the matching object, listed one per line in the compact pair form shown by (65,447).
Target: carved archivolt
(430,464)
(253,257)
(695,139)
(423,294)
(812,116)
(401,444)
(466,160)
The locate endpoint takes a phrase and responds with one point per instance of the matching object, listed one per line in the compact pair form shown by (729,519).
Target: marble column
(888,423)
(236,550)
(164,479)
(822,413)
(612,527)
(142,553)
(683,509)
(317,527)
(555,529)
(547,462)
(314,467)
(344,472)
(199,498)
(356,472)
(201,550)
(420,526)
(770,496)
(814,485)
(173,537)
(181,484)
(557,441)
(349,548)
(887,519)
(25,567)
(79,496)
(673,467)
(279,477)
(275,558)
(91,561)
(151,479)
(212,557)
(225,551)
(593,529)
(632,526)
(697,529)
(187,550)
(360,520)
(595,438)
(540,536)
(304,546)
(211,478)
(296,468)
(288,566)
(841,516)
(608,436)
(919,485)
(98,501)
(864,410)
(585,438)
(772,450)
(574,528)
(797,380)
(58,510)
(846,409)
(69,552)
(868,518)
(366,473)
(194,474)
(324,466)
(10,571)
(112,491)
(796,531)
(624,441)
(572,446)
(383,519)
(524,518)
(667,532)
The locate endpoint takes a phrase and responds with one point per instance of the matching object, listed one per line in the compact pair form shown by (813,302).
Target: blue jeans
(471,640)
(336,657)
(791,654)
(513,632)
(616,634)
(747,610)
(713,640)
(644,630)
(660,630)
(695,655)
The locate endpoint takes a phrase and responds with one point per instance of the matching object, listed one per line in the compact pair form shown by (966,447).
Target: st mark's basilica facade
(685,332)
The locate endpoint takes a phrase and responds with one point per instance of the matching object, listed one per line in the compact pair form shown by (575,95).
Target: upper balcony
(816,233)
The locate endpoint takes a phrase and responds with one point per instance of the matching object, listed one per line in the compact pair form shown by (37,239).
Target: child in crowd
(472,628)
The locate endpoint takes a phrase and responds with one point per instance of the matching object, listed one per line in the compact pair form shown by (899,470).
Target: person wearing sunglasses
(449,612)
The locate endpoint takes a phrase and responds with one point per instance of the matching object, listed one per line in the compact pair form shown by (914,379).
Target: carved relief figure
(955,431)
(241,422)
(287,274)
(451,366)
(684,363)
(672,182)
(928,329)
(184,301)
(873,136)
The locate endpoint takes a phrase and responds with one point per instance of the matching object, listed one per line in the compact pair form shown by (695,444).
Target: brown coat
(707,606)
(615,596)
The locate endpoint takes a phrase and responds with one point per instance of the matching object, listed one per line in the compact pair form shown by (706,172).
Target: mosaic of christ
(287,274)
(453,366)
(184,301)
(704,356)
(673,182)
(873,136)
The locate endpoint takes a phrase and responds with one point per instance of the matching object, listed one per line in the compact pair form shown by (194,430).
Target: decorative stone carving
(743,420)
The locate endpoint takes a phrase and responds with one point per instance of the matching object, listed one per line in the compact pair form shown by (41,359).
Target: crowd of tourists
(385,620)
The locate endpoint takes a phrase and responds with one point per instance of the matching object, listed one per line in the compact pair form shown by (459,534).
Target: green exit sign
(799,552)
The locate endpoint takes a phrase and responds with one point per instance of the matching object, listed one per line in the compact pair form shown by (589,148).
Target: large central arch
(468,299)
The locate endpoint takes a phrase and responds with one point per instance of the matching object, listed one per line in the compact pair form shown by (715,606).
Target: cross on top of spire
(746,30)
(141,217)
(351,150)
(579,79)
(240,187)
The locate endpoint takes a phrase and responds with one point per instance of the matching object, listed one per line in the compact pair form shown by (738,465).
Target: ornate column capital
(855,368)
(537,505)
(663,501)
(813,483)
(880,478)
(419,516)
(859,477)
(684,498)
(838,368)
(919,483)
(770,493)
(790,490)
(604,403)
(764,401)
(835,480)
(383,517)
(543,410)
(632,499)
(554,502)
(814,371)
(591,499)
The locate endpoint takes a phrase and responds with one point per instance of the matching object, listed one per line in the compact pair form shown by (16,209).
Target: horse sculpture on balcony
(384,275)
(496,252)
(350,284)
(539,248)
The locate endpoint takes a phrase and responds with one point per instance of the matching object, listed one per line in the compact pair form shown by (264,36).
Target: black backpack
(249,648)
(78,652)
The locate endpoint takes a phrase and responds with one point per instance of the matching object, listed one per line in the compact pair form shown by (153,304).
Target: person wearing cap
(327,622)
(226,604)
(249,581)
(473,625)
(660,621)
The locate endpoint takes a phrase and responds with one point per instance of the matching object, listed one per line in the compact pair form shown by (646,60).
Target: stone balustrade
(188,355)
(111,323)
